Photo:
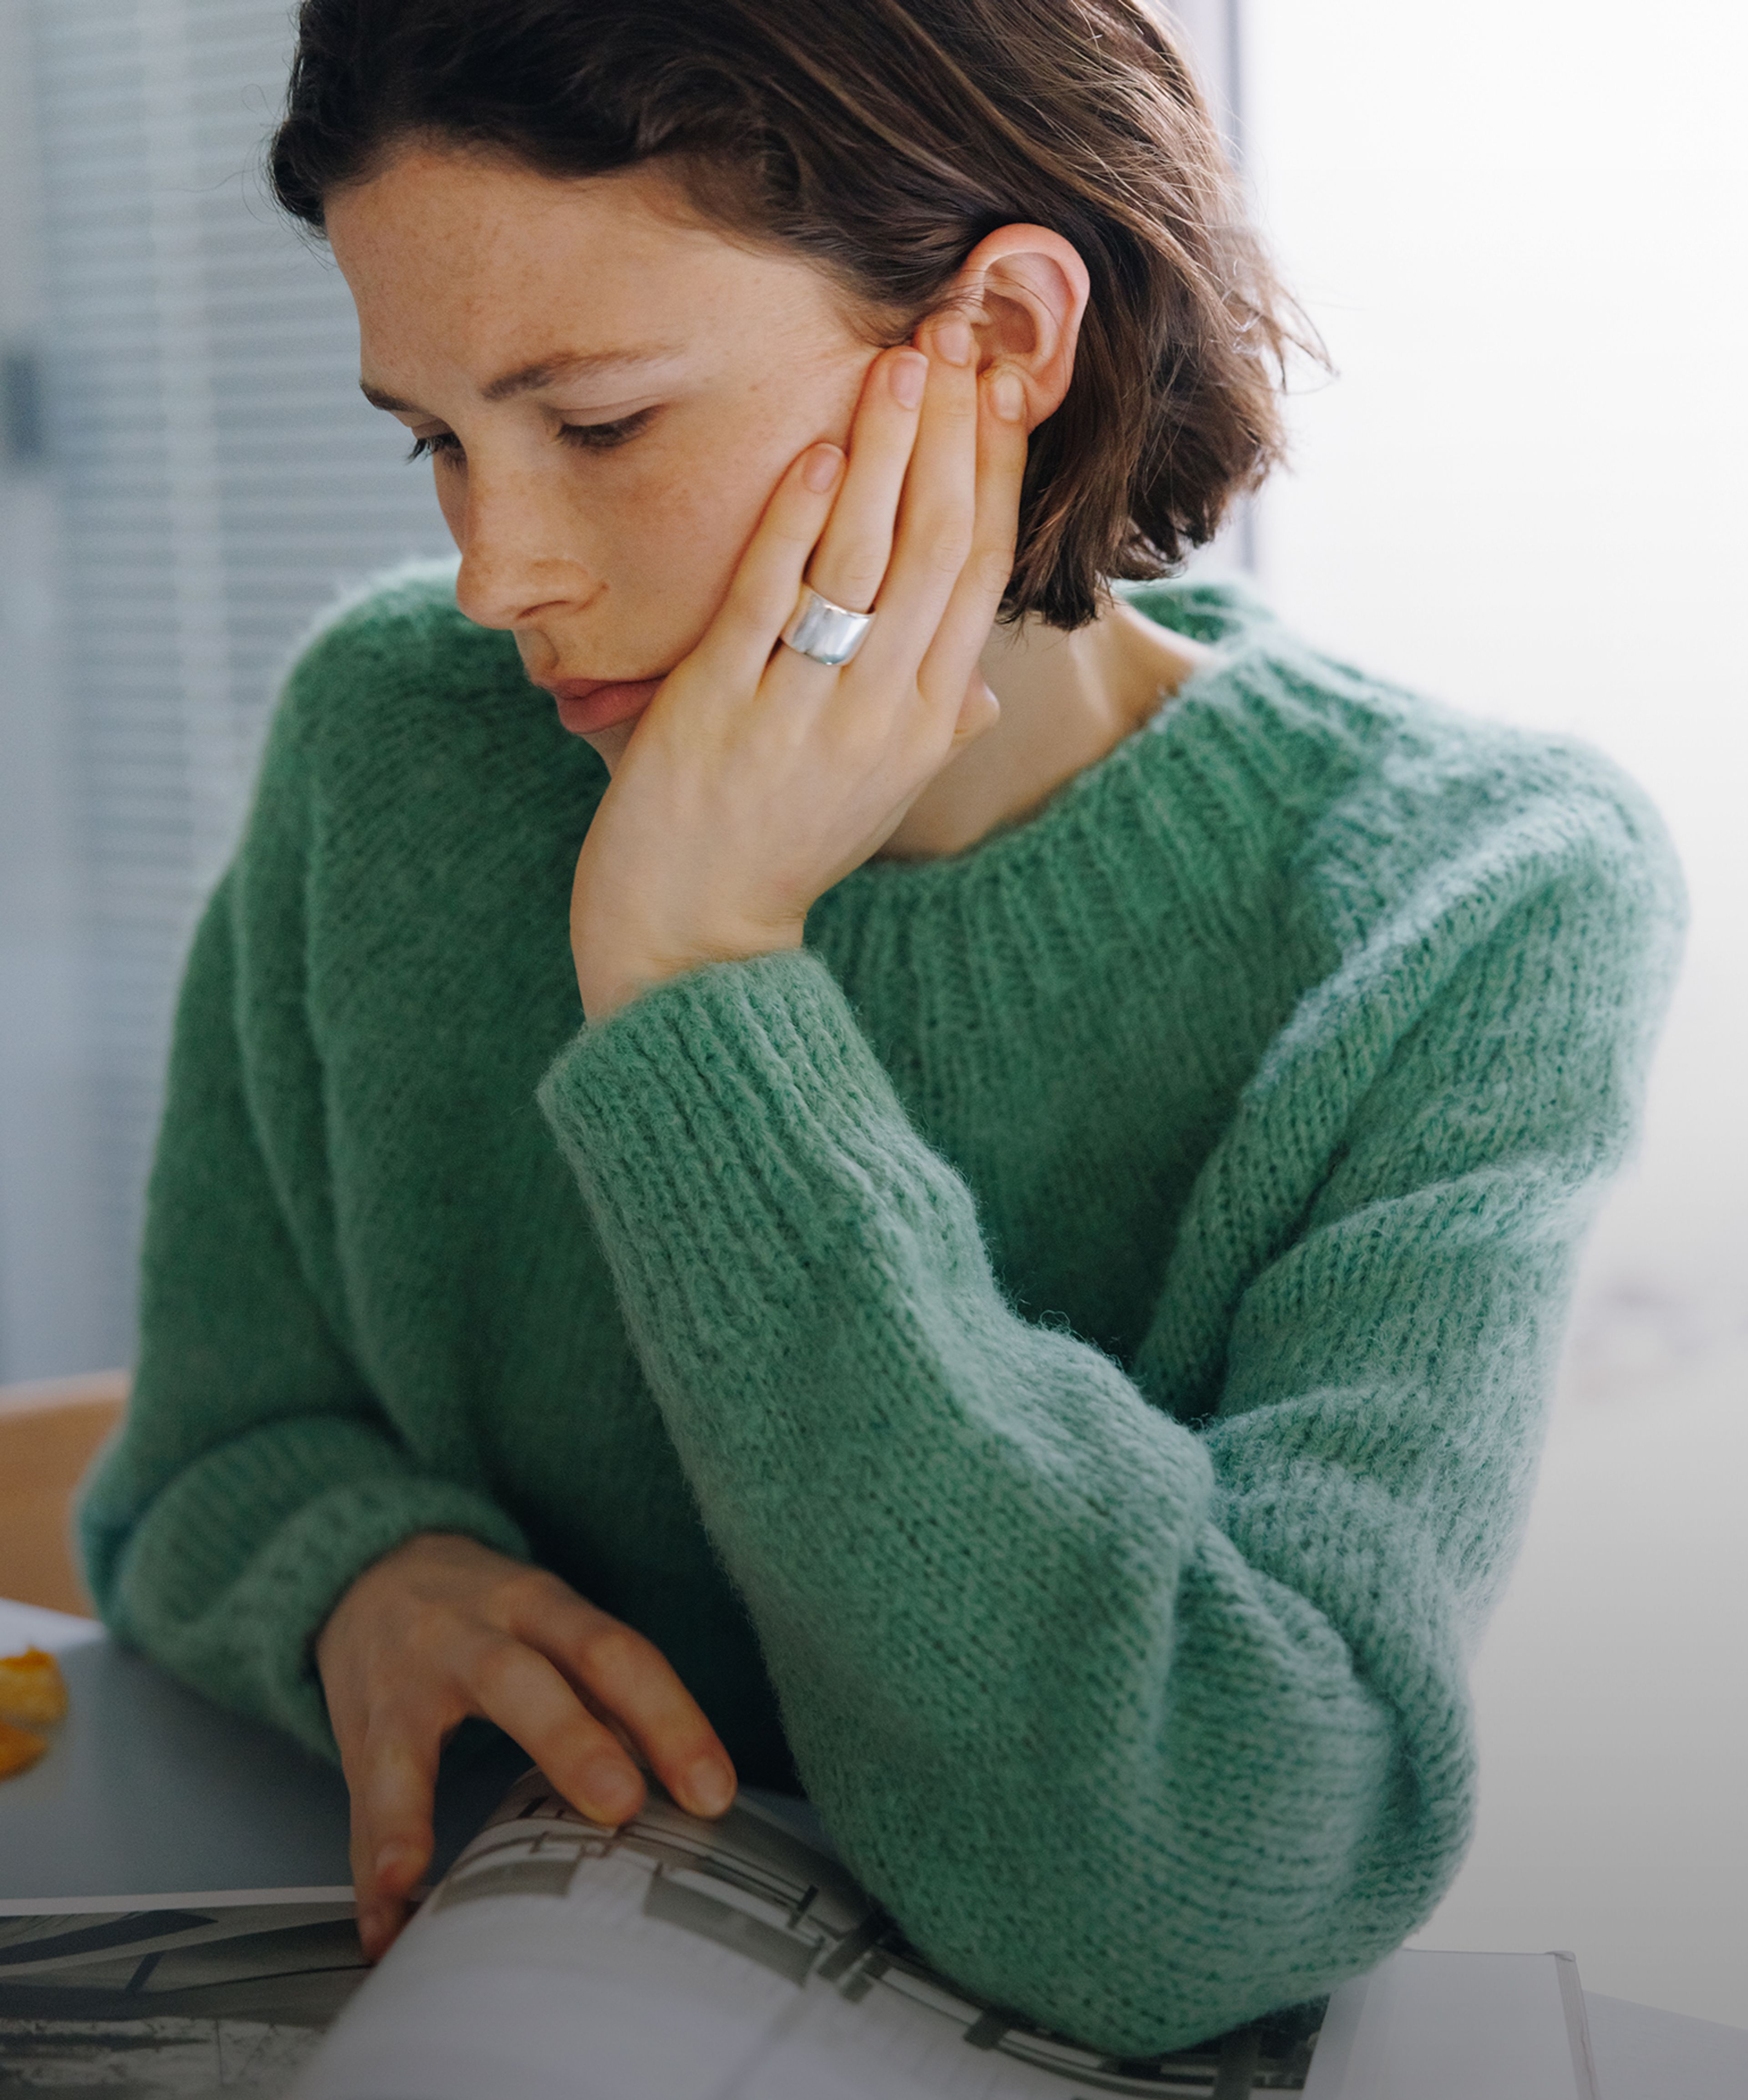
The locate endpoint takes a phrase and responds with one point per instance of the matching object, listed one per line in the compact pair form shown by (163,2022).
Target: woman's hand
(443,1628)
(758,778)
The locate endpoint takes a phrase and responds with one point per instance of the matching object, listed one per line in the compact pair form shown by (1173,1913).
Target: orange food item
(32,1688)
(18,1749)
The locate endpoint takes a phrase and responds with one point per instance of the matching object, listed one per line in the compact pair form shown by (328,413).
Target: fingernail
(710,1787)
(822,468)
(952,341)
(611,1791)
(1007,397)
(910,374)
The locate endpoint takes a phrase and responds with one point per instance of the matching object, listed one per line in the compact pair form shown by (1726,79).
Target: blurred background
(1519,225)
(1519,229)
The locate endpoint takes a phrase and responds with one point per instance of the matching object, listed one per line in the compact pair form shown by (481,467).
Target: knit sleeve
(1145,1714)
(255,1475)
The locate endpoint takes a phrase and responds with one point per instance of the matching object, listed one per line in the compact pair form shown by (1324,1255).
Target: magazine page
(674,1959)
(172,1997)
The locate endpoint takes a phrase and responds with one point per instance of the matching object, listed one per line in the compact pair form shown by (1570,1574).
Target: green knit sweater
(1062,1358)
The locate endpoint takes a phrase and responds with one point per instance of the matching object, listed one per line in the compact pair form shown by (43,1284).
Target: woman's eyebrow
(582,364)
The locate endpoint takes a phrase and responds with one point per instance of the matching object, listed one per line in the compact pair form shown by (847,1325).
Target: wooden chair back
(49,1434)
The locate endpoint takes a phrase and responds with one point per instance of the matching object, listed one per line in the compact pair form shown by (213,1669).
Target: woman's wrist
(608,979)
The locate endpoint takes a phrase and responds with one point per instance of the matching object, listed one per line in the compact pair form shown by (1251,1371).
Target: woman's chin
(609,744)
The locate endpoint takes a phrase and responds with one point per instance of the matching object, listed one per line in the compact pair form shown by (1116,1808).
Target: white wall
(47,1170)
(1520,225)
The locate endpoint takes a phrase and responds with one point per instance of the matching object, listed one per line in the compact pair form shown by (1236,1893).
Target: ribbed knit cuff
(237,1615)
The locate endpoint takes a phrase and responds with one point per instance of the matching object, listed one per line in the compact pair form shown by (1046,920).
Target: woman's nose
(514,562)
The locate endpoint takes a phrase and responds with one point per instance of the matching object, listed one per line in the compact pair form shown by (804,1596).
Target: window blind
(219,479)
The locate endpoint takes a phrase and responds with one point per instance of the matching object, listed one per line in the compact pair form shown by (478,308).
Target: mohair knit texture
(1063,1356)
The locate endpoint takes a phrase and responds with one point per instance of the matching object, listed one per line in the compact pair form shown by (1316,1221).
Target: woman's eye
(586,437)
(603,437)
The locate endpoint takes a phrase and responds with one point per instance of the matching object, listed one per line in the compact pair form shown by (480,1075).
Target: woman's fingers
(900,527)
(849,564)
(628,1680)
(528,1698)
(828,521)
(392,1800)
(443,1628)
(936,512)
(735,651)
(628,1683)
(964,628)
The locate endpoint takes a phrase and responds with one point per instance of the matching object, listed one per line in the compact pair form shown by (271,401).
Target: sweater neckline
(1069,803)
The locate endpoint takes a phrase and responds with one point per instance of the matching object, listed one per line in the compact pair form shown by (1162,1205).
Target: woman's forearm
(1027,1676)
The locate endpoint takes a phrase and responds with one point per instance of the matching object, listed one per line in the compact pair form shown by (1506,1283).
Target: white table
(150,1791)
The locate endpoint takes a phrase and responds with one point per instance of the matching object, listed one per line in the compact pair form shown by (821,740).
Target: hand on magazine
(443,1628)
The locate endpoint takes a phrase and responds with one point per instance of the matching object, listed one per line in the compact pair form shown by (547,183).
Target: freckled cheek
(677,549)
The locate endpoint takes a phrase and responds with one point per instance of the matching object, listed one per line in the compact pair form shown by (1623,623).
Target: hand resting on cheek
(758,777)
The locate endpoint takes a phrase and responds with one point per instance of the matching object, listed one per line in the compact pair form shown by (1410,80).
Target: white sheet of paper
(677,1959)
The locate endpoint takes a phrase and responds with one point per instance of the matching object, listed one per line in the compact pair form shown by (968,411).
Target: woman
(1025,1306)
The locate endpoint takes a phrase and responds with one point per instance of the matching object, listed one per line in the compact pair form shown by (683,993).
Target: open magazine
(674,1959)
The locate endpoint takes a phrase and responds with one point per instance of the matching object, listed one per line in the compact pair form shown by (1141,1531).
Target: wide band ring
(829,633)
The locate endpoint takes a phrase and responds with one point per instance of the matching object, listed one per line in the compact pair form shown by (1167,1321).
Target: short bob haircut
(882,139)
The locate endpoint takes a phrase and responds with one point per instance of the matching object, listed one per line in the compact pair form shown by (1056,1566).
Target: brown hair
(883,138)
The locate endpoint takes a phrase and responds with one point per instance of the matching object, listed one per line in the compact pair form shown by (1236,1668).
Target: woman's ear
(1023,288)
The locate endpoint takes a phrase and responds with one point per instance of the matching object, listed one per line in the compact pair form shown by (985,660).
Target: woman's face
(609,391)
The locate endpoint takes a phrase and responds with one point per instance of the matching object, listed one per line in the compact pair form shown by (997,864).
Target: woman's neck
(1066,700)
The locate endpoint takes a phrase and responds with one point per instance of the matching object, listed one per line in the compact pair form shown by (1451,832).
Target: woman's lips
(586,705)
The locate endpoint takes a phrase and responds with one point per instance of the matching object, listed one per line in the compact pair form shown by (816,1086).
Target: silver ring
(829,633)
